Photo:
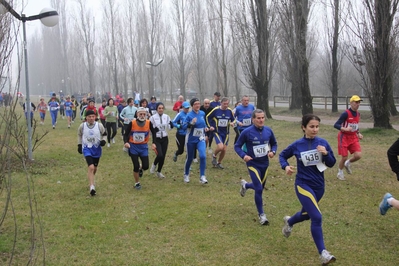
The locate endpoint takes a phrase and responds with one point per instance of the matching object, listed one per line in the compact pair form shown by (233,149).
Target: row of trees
(298,48)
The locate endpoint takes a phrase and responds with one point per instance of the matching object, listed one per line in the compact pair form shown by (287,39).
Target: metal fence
(321,101)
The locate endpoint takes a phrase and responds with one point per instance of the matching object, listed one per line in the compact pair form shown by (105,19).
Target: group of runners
(255,145)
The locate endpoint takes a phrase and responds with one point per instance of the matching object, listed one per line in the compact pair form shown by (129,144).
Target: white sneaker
(203,180)
(286,228)
(340,175)
(113,140)
(186,178)
(263,220)
(125,149)
(108,145)
(326,257)
(152,169)
(210,150)
(347,166)
(243,189)
(160,175)
(195,160)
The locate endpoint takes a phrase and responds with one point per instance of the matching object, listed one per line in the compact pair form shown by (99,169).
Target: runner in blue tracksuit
(53,106)
(181,133)
(195,138)
(313,155)
(261,145)
(243,114)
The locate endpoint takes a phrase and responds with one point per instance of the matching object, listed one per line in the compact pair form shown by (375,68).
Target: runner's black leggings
(393,153)
(136,163)
(111,125)
(162,148)
(180,142)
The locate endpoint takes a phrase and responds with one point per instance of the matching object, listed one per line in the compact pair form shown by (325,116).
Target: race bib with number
(53,108)
(198,132)
(312,157)
(67,108)
(354,127)
(246,122)
(222,122)
(261,150)
(162,127)
(138,137)
(153,112)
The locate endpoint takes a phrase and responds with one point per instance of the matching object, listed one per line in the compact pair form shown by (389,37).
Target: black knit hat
(193,100)
(90,112)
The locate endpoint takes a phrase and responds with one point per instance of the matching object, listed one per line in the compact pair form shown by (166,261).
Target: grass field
(169,222)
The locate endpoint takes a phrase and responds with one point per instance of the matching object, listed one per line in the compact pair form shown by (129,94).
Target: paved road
(325,121)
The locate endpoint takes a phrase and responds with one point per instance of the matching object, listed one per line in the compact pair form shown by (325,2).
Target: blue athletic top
(152,107)
(68,106)
(308,174)
(220,120)
(195,133)
(243,114)
(178,122)
(258,141)
(214,104)
(53,106)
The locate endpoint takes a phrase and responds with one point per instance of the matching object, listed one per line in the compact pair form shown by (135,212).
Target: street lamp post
(149,65)
(49,17)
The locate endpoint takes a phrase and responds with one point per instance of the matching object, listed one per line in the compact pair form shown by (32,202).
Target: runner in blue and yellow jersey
(219,121)
(261,145)
(196,127)
(313,155)
(136,139)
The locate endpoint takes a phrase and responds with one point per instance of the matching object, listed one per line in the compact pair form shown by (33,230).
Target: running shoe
(92,190)
(384,205)
(203,180)
(326,257)
(286,228)
(220,166)
(243,189)
(160,175)
(140,172)
(175,157)
(263,220)
(186,178)
(341,176)
(152,169)
(195,160)
(347,166)
(214,161)
(137,186)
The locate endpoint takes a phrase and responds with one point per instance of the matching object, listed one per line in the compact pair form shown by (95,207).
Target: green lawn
(169,222)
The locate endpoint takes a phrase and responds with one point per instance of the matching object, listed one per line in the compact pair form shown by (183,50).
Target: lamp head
(50,17)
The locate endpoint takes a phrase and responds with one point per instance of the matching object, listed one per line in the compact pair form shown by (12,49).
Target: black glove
(96,119)
(80,148)
(171,124)
(103,142)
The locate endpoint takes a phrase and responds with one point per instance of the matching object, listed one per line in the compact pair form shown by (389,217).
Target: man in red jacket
(178,103)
